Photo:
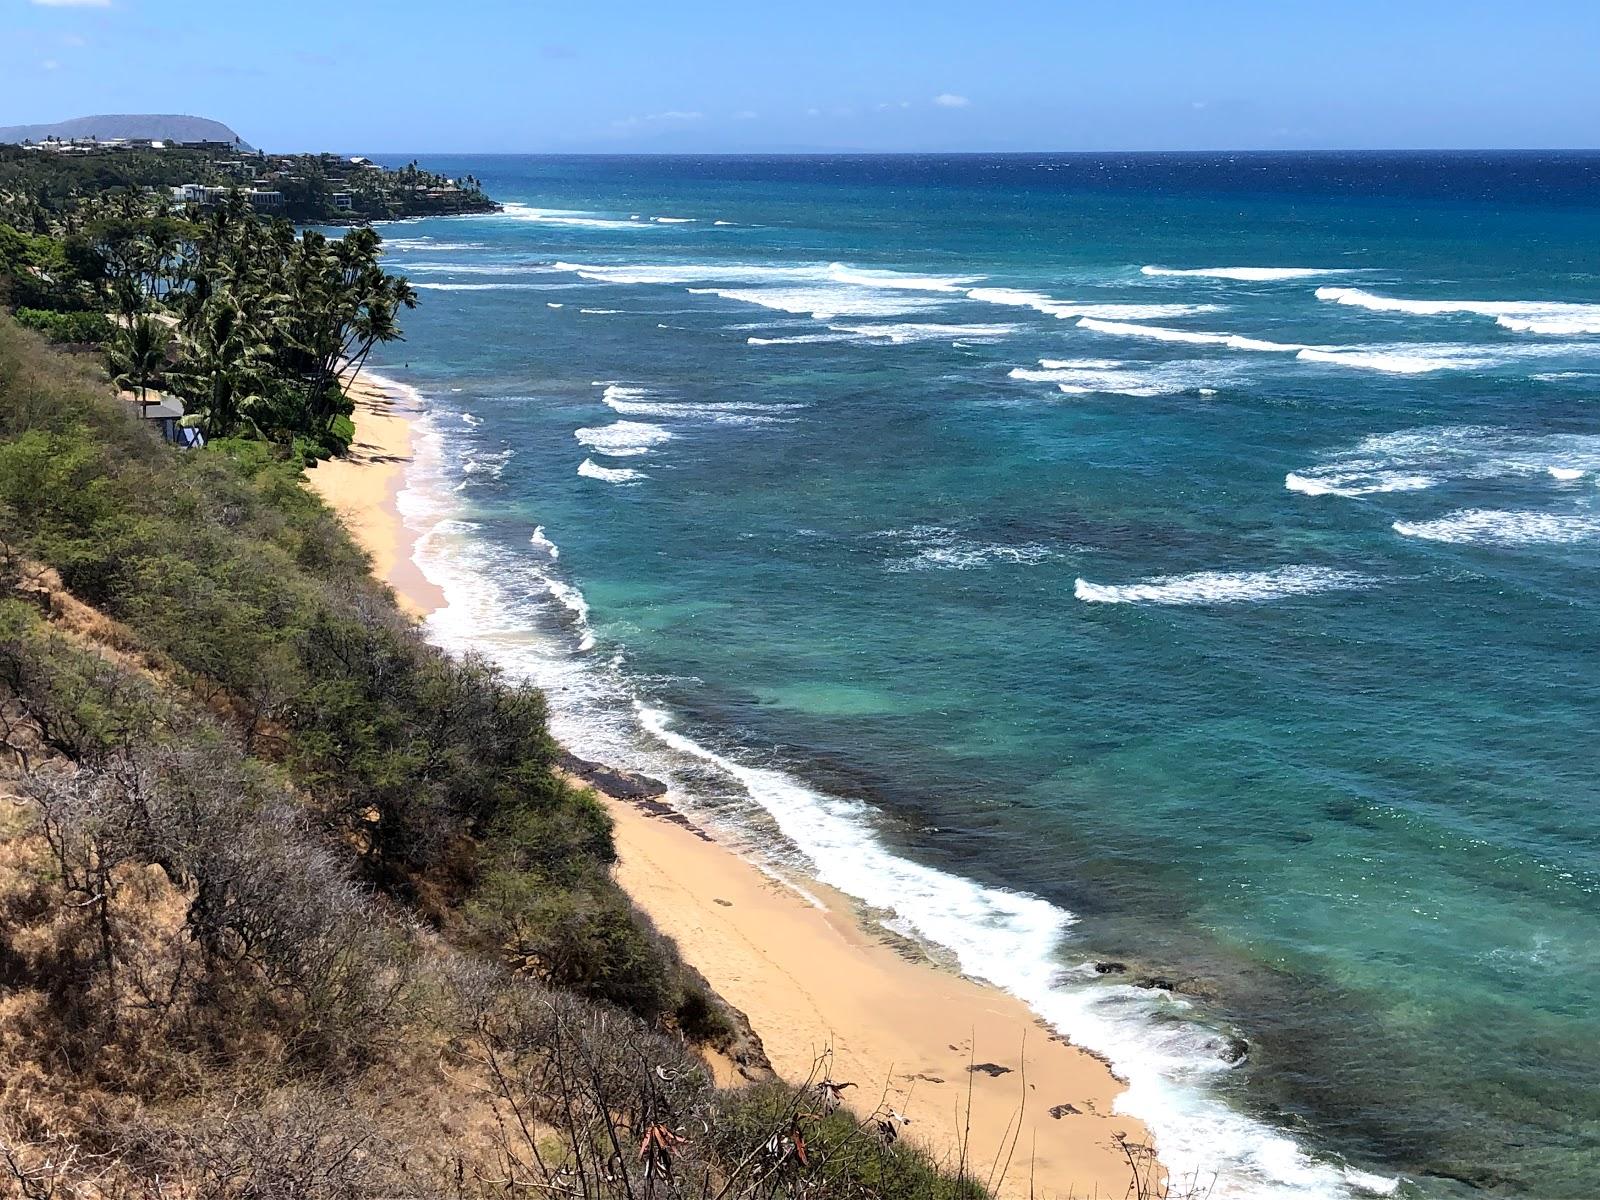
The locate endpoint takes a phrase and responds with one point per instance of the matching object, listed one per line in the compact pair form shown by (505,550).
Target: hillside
(170,127)
(294,904)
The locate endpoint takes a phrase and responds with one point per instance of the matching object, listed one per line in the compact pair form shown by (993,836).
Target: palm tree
(225,365)
(137,354)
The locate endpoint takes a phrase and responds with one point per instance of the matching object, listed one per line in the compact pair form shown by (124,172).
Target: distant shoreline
(797,958)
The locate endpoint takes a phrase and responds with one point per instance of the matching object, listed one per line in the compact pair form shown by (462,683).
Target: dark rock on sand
(624,785)
(1064,1110)
(993,1070)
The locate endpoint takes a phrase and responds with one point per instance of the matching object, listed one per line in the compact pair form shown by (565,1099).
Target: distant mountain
(166,127)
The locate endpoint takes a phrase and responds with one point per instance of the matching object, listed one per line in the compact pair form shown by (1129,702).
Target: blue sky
(710,75)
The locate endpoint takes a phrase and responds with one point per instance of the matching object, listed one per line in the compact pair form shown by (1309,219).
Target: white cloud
(72,3)
(50,64)
(951,100)
(670,115)
(745,115)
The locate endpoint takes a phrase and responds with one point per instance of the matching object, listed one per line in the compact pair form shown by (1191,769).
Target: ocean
(1163,585)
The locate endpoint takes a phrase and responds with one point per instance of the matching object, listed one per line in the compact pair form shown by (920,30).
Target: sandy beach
(964,1061)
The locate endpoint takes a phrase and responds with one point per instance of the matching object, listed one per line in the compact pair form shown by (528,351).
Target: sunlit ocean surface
(1185,562)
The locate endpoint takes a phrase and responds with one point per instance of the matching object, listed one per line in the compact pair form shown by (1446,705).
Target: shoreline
(966,1062)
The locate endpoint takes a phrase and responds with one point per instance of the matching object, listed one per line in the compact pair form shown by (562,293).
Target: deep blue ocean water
(1181,560)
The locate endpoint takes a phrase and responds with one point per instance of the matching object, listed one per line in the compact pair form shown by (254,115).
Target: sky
(820,75)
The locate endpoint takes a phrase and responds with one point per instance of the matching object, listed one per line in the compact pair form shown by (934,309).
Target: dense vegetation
(259,330)
(293,904)
(37,183)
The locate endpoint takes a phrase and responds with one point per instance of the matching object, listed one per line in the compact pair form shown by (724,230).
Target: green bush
(245,586)
(67,326)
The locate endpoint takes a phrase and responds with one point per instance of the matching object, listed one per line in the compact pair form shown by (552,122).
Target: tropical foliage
(268,327)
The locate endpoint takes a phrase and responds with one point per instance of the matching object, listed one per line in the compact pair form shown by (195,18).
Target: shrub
(83,327)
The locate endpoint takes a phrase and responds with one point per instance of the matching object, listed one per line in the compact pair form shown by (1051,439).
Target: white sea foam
(901,333)
(623,439)
(544,543)
(674,220)
(1224,587)
(599,312)
(1065,309)
(590,469)
(1495,527)
(1246,274)
(826,302)
(559,216)
(1523,316)
(939,548)
(763,273)
(1089,376)
(1190,337)
(1407,360)
(481,467)
(553,304)
(483,287)
(640,402)
(446,268)
(1356,483)
(1404,459)
(410,245)
(1389,359)
(801,339)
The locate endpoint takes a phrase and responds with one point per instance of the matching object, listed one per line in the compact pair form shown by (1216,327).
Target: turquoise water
(934,521)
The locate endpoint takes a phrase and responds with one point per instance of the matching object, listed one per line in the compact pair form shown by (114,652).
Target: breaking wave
(1247,274)
(1521,316)
(623,439)
(1066,309)
(590,469)
(1224,587)
(1495,527)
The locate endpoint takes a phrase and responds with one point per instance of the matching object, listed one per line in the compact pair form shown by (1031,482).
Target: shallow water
(1181,560)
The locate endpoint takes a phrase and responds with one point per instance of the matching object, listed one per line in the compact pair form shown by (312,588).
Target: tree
(138,354)
(225,362)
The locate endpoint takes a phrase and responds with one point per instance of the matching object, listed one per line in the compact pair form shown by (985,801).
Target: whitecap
(939,548)
(1495,527)
(623,439)
(1356,483)
(1522,316)
(1082,377)
(1224,587)
(593,470)
(641,402)
(824,303)
(544,543)
(1403,459)
(1189,337)
(1396,361)
(559,216)
(902,333)
(483,287)
(599,312)
(1246,274)
(1065,309)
